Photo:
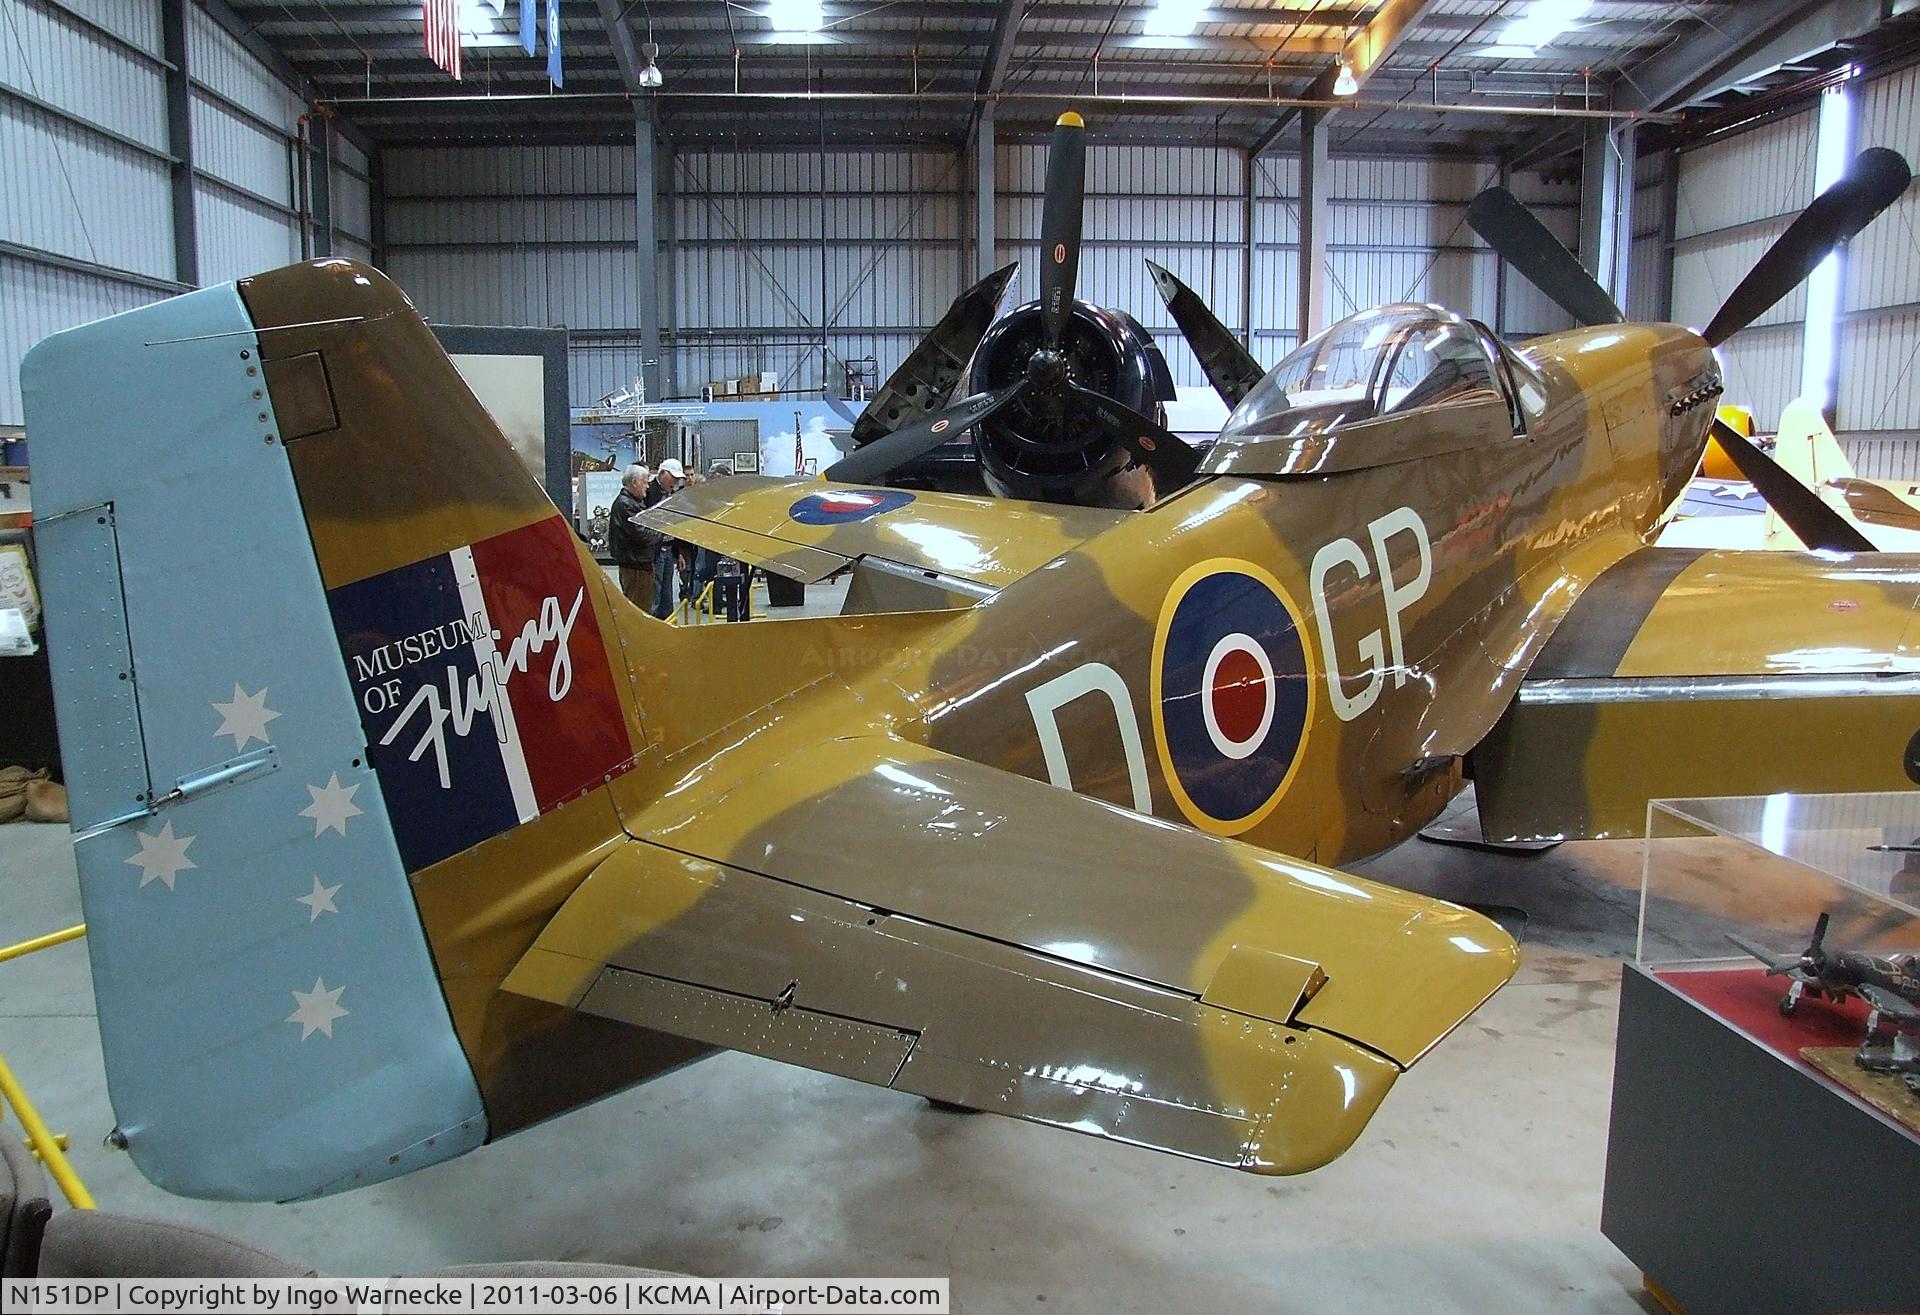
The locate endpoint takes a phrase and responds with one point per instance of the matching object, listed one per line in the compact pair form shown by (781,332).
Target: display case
(1753,1162)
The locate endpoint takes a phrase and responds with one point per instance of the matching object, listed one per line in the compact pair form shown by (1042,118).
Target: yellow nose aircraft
(399,829)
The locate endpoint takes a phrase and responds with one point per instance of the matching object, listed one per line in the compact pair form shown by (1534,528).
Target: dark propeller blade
(1512,230)
(1814,950)
(1229,367)
(1817,524)
(935,365)
(1060,223)
(1171,458)
(866,464)
(1873,182)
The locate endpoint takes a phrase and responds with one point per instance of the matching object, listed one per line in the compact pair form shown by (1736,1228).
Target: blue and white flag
(529,15)
(555,74)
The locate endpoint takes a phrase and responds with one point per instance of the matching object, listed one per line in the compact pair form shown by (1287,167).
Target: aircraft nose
(1691,386)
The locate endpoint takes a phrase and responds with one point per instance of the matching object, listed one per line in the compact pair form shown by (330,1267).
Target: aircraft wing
(890,913)
(1752,673)
(1776,963)
(810,529)
(1894,1006)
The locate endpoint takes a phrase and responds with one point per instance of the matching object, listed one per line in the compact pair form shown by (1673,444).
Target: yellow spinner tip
(1069,120)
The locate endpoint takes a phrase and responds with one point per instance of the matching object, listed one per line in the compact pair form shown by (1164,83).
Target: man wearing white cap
(666,482)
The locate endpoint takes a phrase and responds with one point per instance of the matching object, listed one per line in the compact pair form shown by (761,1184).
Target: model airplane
(1890,987)
(398,829)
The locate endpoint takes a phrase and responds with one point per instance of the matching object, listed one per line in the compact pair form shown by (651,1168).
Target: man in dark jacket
(665,484)
(633,547)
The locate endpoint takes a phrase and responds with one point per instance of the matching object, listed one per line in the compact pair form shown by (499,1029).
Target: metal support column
(377,207)
(669,274)
(1669,217)
(1500,264)
(1250,178)
(646,213)
(320,168)
(173,43)
(1606,206)
(1315,178)
(984,243)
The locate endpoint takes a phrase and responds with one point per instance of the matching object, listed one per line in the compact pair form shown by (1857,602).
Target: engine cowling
(1040,447)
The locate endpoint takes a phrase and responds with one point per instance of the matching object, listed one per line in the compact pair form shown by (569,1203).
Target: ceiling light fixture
(796,16)
(1172,18)
(650,75)
(477,19)
(1346,84)
(1538,26)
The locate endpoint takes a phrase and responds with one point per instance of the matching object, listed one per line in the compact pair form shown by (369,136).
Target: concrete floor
(1476,1188)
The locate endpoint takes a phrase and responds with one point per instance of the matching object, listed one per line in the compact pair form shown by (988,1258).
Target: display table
(1749,1168)
(1740,1181)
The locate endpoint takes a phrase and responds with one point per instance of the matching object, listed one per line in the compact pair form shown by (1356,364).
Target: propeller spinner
(1045,381)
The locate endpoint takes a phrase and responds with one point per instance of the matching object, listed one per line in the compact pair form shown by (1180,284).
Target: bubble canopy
(1390,359)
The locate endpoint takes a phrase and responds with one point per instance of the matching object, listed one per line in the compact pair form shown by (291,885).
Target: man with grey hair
(632,546)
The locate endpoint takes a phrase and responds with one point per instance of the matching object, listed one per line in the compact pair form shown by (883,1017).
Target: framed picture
(746,463)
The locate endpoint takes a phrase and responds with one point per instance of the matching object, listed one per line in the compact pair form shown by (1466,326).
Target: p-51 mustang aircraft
(398,829)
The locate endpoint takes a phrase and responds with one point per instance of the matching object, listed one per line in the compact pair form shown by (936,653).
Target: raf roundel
(1232,694)
(842,506)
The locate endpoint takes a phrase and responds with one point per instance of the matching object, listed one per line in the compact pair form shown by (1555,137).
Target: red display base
(1750,1000)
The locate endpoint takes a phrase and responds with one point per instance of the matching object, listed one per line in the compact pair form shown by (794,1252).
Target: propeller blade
(1518,235)
(1171,458)
(935,365)
(1874,180)
(1819,933)
(1060,223)
(839,407)
(1817,524)
(1229,367)
(866,464)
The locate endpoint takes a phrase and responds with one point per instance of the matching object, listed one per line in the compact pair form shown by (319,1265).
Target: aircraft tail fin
(1807,448)
(314,629)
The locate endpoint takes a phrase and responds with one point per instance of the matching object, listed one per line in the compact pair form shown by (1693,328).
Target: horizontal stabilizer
(1251,1013)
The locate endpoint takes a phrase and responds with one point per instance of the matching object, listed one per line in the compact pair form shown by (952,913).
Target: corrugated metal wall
(1876,394)
(94,198)
(86,218)
(543,236)
(1648,274)
(1736,195)
(762,240)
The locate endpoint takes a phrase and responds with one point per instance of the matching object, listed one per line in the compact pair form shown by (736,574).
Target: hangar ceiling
(1439,75)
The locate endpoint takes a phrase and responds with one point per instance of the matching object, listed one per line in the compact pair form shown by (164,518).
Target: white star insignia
(162,857)
(332,805)
(320,901)
(316,1010)
(245,718)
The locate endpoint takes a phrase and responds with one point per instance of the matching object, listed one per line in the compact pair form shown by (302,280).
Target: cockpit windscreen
(1390,359)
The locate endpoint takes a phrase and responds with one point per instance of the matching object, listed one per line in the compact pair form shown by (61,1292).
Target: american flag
(443,34)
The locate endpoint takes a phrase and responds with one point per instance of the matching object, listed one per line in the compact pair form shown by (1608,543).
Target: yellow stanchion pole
(73,933)
(44,1143)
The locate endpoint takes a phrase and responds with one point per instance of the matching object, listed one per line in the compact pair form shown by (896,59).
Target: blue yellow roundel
(1232,693)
